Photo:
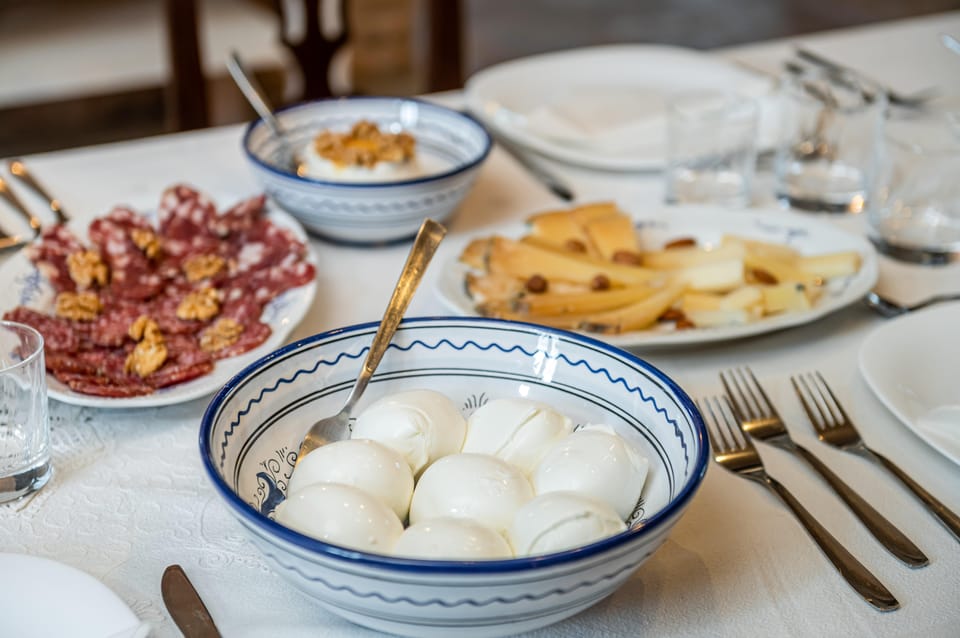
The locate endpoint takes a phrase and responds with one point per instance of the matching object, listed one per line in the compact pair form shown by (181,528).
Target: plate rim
(475,102)
(860,284)
(864,367)
(207,384)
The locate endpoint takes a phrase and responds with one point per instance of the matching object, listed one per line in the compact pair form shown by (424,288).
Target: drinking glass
(830,126)
(24,430)
(711,148)
(915,208)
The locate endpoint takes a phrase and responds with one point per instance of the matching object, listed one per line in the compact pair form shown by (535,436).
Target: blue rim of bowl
(328,550)
(417,180)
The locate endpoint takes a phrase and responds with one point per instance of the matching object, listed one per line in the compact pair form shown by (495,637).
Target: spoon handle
(254,94)
(424,246)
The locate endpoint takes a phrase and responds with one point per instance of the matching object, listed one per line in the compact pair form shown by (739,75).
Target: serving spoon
(337,427)
(255,96)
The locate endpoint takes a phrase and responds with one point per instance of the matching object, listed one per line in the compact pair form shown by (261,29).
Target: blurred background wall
(77,72)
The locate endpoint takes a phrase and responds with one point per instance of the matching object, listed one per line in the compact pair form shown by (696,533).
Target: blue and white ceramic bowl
(452,143)
(252,429)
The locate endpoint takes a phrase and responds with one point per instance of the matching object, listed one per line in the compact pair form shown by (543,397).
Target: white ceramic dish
(371,212)
(707,225)
(926,399)
(609,112)
(251,431)
(40,597)
(282,314)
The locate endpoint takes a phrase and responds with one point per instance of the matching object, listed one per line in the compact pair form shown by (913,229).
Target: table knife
(185,606)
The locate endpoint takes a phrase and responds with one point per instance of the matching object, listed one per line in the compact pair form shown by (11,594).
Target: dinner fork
(18,206)
(834,427)
(738,455)
(759,418)
(19,170)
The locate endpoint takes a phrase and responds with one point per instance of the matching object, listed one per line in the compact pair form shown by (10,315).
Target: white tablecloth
(129,496)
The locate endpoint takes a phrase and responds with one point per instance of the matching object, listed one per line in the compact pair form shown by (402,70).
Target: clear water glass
(24,429)
(711,149)
(830,126)
(915,207)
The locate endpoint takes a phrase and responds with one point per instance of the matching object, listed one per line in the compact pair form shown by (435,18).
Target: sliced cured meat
(240,218)
(104,387)
(50,256)
(252,336)
(240,253)
(265,284)
(132,274)
(59,335)
(186,221)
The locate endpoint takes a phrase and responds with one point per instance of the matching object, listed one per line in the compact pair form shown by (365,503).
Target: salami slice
(59,334)
(132,274)
(50,256)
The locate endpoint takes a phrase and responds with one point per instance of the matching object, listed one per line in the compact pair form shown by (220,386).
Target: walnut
(143,328)
(202,266)
(147,357)
(223,333)
(87,268)
(82,306)
(151,352)
(365,145)
(200,304)
(146,240)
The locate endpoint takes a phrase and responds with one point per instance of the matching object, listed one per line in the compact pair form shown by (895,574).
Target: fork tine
(819,400)
(735,390)
(722,427)
(763,393)
(836,402)
(818,423)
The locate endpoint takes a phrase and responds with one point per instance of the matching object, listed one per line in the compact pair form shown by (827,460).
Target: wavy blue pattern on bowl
(434,346)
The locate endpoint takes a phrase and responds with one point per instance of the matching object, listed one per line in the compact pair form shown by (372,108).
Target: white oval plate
(282,314)
(925,400)
(40,597)
(707,224)
(609,112)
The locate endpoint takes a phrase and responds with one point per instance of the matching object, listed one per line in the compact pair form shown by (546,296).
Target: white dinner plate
(605,107)
(40,597)
(707,224)
(912,364)
(282,314)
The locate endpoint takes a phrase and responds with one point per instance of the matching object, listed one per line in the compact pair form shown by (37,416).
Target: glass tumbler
(915,208)
(830,127)
(711,148)
(24,429)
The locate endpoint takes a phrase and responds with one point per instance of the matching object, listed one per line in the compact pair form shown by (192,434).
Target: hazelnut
(575,246)
(627,257)
(761,276)
(600,282)
(680,242)
(536,284)
(672,314)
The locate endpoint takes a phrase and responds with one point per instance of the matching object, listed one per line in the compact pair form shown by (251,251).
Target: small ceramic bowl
(450,144)
(252,429)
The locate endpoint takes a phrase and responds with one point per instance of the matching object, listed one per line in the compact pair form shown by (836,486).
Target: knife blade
(185,606)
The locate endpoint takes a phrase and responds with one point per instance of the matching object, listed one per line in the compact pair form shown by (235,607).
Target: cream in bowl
(363,153)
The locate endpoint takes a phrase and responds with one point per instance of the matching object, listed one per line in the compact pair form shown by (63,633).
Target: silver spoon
(337,427)
(255,96)
(889,308)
